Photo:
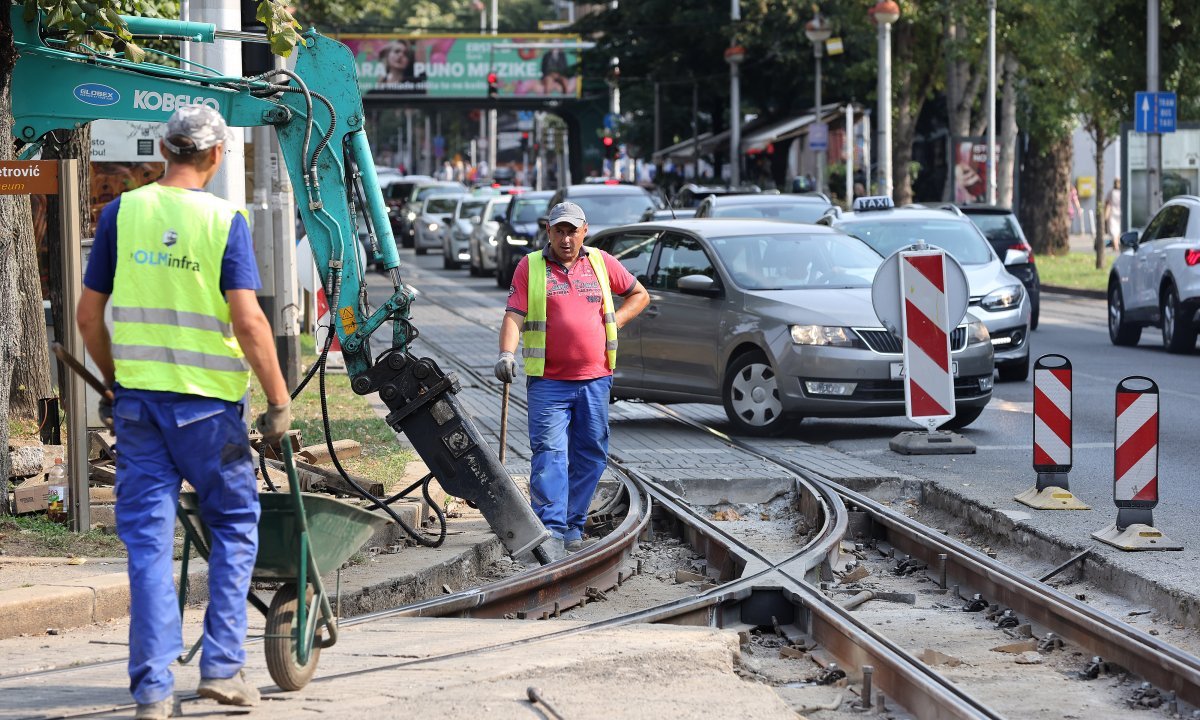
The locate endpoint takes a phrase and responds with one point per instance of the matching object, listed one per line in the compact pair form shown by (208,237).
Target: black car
(999,225)
(792,208)
(395,195)
(604,205)
(517,231)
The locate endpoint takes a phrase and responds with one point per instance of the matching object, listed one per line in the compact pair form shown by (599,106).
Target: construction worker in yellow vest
(561,307)
(179,268)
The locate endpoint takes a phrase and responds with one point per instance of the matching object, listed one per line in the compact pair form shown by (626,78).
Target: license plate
(897,369)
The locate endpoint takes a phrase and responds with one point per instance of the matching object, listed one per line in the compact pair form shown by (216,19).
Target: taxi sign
(873,202)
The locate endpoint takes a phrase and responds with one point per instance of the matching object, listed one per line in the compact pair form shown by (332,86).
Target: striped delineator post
(928,376)
(1052,436)
(1135,469)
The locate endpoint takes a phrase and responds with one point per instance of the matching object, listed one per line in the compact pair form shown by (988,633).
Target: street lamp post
(817,31)
(884,14)
(734,56)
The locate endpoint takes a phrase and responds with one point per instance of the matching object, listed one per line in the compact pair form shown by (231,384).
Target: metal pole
(226,58)
(409,166)
(885,109)
(427,146)
(735,125)
(991,104)
(1153,140)
(818,47)
(695,132)
(866,135)
(493,137)
(75,400)
(263,232)
(286,320)
(850,154)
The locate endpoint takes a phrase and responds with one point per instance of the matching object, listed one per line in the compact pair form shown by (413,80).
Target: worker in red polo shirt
(560,305)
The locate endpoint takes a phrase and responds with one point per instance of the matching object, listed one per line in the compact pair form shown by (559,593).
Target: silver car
(437,212)
(996,297)
(772,320)
(456,240)
(484,236)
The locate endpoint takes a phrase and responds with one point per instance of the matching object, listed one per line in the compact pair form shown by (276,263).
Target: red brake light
(495,184)
(1023,247)
(1191,257)
(612,181)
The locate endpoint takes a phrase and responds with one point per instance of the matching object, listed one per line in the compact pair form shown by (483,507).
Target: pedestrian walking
(1112,214)
(178,265)
(560,306)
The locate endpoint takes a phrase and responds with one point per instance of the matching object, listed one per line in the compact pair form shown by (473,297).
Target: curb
(1076,292)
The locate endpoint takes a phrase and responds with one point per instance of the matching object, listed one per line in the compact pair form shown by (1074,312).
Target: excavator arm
(317,113)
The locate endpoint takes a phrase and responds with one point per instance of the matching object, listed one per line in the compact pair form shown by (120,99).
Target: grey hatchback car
(772,320)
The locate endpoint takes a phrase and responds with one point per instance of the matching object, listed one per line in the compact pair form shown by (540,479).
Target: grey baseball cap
(200,124)
(567,212)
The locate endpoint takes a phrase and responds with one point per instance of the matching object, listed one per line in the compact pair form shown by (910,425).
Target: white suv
(1156,278)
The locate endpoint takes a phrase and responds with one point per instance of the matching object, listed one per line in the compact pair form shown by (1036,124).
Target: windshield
(471,208)
(441,205)
(613,209)
(439,190)
(956,237)
(798,212)
(1000,229)
(528,210)
(797,261)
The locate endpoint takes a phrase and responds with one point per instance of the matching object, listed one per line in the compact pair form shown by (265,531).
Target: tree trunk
(31,370)
(1100,143)
(77,146)
(1008,131)
(15,224)
(909,98)
(1045,177)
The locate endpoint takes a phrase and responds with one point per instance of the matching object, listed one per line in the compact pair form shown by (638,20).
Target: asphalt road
(1002,466)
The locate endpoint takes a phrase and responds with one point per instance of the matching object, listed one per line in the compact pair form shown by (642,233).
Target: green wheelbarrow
(301,536)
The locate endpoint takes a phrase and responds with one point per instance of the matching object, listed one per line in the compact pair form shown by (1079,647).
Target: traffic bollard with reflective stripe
(1052,436)
(1135,469)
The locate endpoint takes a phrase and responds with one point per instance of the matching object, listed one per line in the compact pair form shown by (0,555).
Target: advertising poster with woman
(458,65)
(970,171)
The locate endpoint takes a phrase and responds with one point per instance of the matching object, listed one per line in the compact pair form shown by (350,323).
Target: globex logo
(97,94)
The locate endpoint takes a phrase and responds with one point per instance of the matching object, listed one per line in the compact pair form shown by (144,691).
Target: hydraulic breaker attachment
(424,406)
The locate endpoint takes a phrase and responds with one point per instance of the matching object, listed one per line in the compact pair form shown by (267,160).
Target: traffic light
(610,147)
(524,142)
(493,86)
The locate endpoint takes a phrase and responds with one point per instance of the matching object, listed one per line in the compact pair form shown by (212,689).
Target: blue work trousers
(163,438)
(568,436)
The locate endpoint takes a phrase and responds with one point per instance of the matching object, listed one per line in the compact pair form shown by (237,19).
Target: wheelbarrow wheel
(281,648)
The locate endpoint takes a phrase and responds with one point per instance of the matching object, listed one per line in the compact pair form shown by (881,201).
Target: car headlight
(823,335)
(410,216)
(1003,299)
(491,239)
(514,240)
(433,227)
(977,333)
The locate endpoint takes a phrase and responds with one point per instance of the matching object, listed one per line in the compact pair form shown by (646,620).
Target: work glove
(106,410)
(274,422)
(506,367)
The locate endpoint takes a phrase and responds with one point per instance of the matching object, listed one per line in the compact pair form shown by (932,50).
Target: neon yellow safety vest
(534,336)
(171,322)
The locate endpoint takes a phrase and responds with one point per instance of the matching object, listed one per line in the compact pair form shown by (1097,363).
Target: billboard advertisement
(970,169)
(457,66)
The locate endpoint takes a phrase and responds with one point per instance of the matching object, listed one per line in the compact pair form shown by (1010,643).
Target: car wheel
(421,250)
(503,279)
(1119,331)
(962,418)
(1036,304)
(1178,332)
(751,396)
(1014,371)
(472,268)
(447,263)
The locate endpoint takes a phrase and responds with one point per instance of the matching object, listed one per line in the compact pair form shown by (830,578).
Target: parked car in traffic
(1155,281)
(995,296)
(1001,228)
(437,212)
(691,195)
(456,241)
(515,235)
(668,214)
(792,208)
(604,205)
(484,236)
(771,320)
(413,206)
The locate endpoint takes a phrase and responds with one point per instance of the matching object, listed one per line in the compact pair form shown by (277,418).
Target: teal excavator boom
(317,114)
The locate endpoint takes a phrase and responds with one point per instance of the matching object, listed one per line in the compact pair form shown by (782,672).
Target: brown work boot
(160,710)
(229,691)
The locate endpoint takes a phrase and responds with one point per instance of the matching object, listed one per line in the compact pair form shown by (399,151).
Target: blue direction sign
(818,136)
(1154,112)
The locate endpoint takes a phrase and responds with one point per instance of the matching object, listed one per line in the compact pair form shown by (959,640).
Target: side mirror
(1130,240)
(544,222)
(698,285)
(1013,256)
(498,217)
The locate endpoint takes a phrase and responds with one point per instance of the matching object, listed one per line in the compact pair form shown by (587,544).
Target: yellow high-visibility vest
(534,335)
(171,323)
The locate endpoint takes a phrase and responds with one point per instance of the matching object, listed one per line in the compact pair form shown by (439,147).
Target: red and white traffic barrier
(1052,436)
(928,377)
(1135,469)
